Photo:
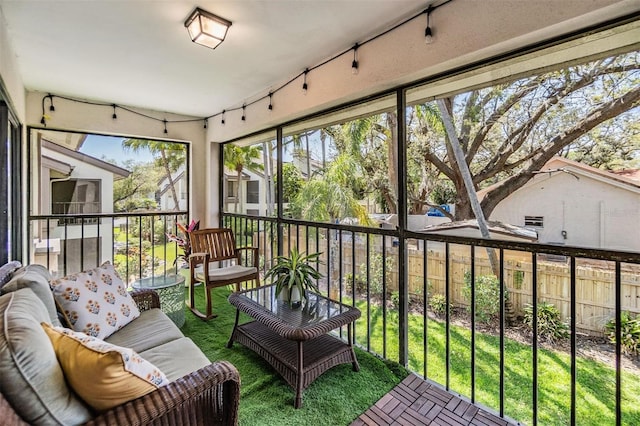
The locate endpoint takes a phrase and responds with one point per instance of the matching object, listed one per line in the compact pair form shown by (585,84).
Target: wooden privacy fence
(595,282)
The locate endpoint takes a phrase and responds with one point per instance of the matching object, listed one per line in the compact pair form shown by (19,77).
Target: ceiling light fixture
(244,108)
(114,116)
(206,29)
(222,119)
(270,101)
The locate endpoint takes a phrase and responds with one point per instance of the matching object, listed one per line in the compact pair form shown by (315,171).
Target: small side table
(170,289)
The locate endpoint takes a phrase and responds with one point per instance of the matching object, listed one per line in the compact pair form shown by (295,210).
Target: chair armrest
(206,396)
(146,299)
(254,254)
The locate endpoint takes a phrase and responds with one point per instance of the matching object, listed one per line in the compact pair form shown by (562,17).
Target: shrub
(438,304)
(629,331)
(395,299)
(550,324)
(375,274)
(487,292)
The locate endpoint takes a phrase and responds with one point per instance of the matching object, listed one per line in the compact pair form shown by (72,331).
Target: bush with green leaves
(550,324)
(487,295)
(629,331)
(375,274)
(438,304)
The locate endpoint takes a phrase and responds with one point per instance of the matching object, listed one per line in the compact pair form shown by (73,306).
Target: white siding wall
(593,213)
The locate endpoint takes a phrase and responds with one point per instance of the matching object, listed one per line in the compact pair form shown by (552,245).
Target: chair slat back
(218,242)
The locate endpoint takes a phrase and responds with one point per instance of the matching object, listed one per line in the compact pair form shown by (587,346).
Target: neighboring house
(574,204)
(73,183)
(164,196)
(253,192)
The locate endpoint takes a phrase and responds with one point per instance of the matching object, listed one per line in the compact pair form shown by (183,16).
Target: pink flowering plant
(183,241)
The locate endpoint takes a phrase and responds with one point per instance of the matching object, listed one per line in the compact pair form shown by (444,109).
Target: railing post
(403,265)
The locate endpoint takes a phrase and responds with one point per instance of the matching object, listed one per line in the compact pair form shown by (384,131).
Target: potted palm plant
(293,275)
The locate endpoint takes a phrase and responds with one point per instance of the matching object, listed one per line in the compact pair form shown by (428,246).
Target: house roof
(117,171)
(497,228)
(561,164)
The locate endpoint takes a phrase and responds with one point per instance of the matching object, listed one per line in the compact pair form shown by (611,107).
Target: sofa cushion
(96,301)
(6,270)
(176,358)
(152,328)
(30,376)
(36,277)
(102,374)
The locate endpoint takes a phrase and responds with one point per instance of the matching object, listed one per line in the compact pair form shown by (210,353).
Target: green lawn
(337,397)
(595,395)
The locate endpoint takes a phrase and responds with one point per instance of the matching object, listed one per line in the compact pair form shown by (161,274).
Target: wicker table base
(299,351)
(317,355)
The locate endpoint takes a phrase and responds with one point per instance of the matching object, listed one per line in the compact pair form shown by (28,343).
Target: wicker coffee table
(295,341)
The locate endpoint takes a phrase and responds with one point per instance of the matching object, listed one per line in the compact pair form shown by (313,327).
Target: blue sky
(109,148)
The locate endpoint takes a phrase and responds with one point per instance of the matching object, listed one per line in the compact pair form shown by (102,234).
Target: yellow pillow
(102,374)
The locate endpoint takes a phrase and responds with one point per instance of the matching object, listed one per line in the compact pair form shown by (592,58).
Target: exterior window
(537,221)
(253,212)
(231,189)
(253,192)
(75,196)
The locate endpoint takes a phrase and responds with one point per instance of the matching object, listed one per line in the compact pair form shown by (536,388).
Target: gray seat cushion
(225,273)
(152,328)
(176,358)
(36,277)
(30,376)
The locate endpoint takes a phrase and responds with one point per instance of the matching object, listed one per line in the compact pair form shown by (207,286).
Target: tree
(169,155)
(292,182)
(238,158)
(329,197)
(510,130)
(133,191)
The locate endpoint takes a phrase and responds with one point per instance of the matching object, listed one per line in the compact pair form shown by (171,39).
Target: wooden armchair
(209,248)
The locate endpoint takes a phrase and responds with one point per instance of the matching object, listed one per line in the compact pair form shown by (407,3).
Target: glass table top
(314,310)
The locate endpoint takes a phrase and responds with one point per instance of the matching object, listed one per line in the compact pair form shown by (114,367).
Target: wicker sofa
(33,389)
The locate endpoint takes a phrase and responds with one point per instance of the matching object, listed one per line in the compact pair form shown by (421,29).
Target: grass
(335,398)
(595,381)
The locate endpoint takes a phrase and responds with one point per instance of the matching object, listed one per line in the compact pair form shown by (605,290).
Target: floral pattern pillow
(95,302)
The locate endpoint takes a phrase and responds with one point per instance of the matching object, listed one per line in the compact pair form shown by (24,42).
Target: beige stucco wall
(9,74)
(593,212)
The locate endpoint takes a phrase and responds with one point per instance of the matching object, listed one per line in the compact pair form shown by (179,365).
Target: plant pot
(296,297)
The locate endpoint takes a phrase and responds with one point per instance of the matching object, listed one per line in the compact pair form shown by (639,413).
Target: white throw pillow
(95,302)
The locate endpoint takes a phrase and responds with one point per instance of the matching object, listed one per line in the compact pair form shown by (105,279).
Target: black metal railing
(429,312)
(136,243)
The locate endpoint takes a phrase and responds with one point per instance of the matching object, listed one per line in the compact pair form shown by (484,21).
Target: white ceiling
(138,53)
